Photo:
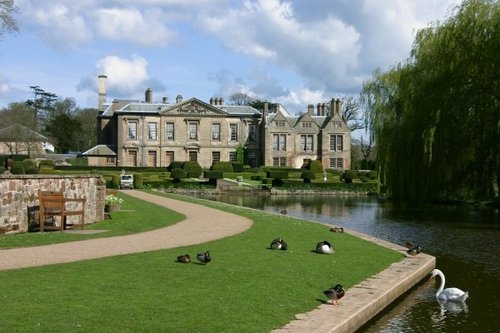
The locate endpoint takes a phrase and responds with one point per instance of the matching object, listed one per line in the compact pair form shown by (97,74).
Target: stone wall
(19,204)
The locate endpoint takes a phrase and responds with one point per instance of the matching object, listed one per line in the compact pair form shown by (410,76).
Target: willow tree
(436,118)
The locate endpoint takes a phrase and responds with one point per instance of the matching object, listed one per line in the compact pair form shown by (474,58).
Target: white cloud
(321,52)
(125,76)
(145,29)
(59,26)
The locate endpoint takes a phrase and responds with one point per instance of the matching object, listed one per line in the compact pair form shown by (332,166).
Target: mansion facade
(147,133)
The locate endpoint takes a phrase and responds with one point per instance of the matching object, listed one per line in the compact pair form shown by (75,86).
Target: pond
(464,240)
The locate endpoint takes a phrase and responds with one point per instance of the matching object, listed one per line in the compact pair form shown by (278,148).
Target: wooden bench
(53,204)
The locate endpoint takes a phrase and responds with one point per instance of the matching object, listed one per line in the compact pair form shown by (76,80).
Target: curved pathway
(202,224)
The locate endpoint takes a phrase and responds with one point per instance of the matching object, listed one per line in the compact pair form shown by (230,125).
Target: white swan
(448,294)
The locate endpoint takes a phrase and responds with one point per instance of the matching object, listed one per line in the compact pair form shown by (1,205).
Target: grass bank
(246,287)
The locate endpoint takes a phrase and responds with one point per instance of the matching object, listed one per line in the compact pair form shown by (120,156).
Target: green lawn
(246,287)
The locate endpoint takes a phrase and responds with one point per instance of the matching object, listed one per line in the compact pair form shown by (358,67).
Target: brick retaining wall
(19,198)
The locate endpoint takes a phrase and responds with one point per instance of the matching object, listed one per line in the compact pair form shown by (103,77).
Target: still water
(464,240)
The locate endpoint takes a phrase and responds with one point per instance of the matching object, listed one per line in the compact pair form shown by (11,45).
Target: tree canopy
(436,118)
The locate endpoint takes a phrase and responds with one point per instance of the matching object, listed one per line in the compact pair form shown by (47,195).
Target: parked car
(126,181)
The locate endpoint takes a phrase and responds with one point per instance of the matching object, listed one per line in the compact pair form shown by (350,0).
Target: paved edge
(201,225)
(365,300)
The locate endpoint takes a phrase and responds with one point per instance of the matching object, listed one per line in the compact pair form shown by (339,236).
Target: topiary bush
(30,166)
(177,175)
(192,169)
(237,167)
(18,169)
(115,181)
(138,181)
(307,176)
(175,165)
(46,163)
(222,166)
(315,166)
(349,175)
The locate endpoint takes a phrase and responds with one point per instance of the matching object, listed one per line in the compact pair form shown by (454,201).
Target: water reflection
(464,241)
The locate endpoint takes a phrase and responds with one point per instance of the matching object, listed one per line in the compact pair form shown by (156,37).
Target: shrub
(46,163)
(115,181)
(237,167)
(349,175)
(281,174)
(138,182)
(46,170)
(18,169)
(211,174)
(30,166)
(222,166)
(178,174)
(315,166)
(307,176)
(192,169)
(175,165)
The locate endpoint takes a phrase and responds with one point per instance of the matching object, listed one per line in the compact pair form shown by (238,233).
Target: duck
(335,294)
(448,294)
(414,251)
(325,247)
(204,258)
(409,245)
(185,259)
(279,244)
(337,229)
(284,212)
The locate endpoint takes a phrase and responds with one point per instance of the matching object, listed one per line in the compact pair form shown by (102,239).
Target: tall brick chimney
(102,92)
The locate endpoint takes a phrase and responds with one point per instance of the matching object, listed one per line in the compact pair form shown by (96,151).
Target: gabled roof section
(20,133)
(192,106)
(306,117)
(100,150)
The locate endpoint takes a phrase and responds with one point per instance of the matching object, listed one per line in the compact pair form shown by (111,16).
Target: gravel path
(202,224)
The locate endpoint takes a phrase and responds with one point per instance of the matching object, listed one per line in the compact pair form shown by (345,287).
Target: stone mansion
(147,133)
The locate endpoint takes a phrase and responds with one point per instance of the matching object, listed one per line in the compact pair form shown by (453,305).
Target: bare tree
(351,113)
(7,22)
(240,99)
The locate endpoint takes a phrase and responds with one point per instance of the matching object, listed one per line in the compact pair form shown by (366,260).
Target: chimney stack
(165,100)
(149,95)
(102,92)
(310,109)
(178,99)
(318,109)
(116,105)
(211,101)
(338,103)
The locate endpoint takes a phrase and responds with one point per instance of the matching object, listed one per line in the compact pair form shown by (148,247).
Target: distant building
(147,133)
(20,140)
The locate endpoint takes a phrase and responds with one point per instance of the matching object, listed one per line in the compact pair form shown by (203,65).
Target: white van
(126,181)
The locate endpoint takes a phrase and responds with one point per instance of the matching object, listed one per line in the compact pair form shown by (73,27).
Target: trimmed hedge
(138,181)
(178,174)
(237,167)
(211,174)
(30,166)
(281,174)
(115,181)
(307,176)
(175,165)
(222,166)
(192,169)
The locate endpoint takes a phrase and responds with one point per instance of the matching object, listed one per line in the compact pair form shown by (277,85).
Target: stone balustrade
(19,204)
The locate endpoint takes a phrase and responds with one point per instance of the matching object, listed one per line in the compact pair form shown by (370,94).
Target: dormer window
(280,123)
(307,124)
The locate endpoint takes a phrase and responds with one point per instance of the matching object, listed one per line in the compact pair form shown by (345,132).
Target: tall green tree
(436,118)
(63,126)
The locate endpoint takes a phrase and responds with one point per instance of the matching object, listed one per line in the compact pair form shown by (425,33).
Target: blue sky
(295,52)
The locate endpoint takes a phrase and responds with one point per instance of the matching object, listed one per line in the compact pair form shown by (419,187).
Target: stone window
(170,131)
(306,142)
(336,143)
